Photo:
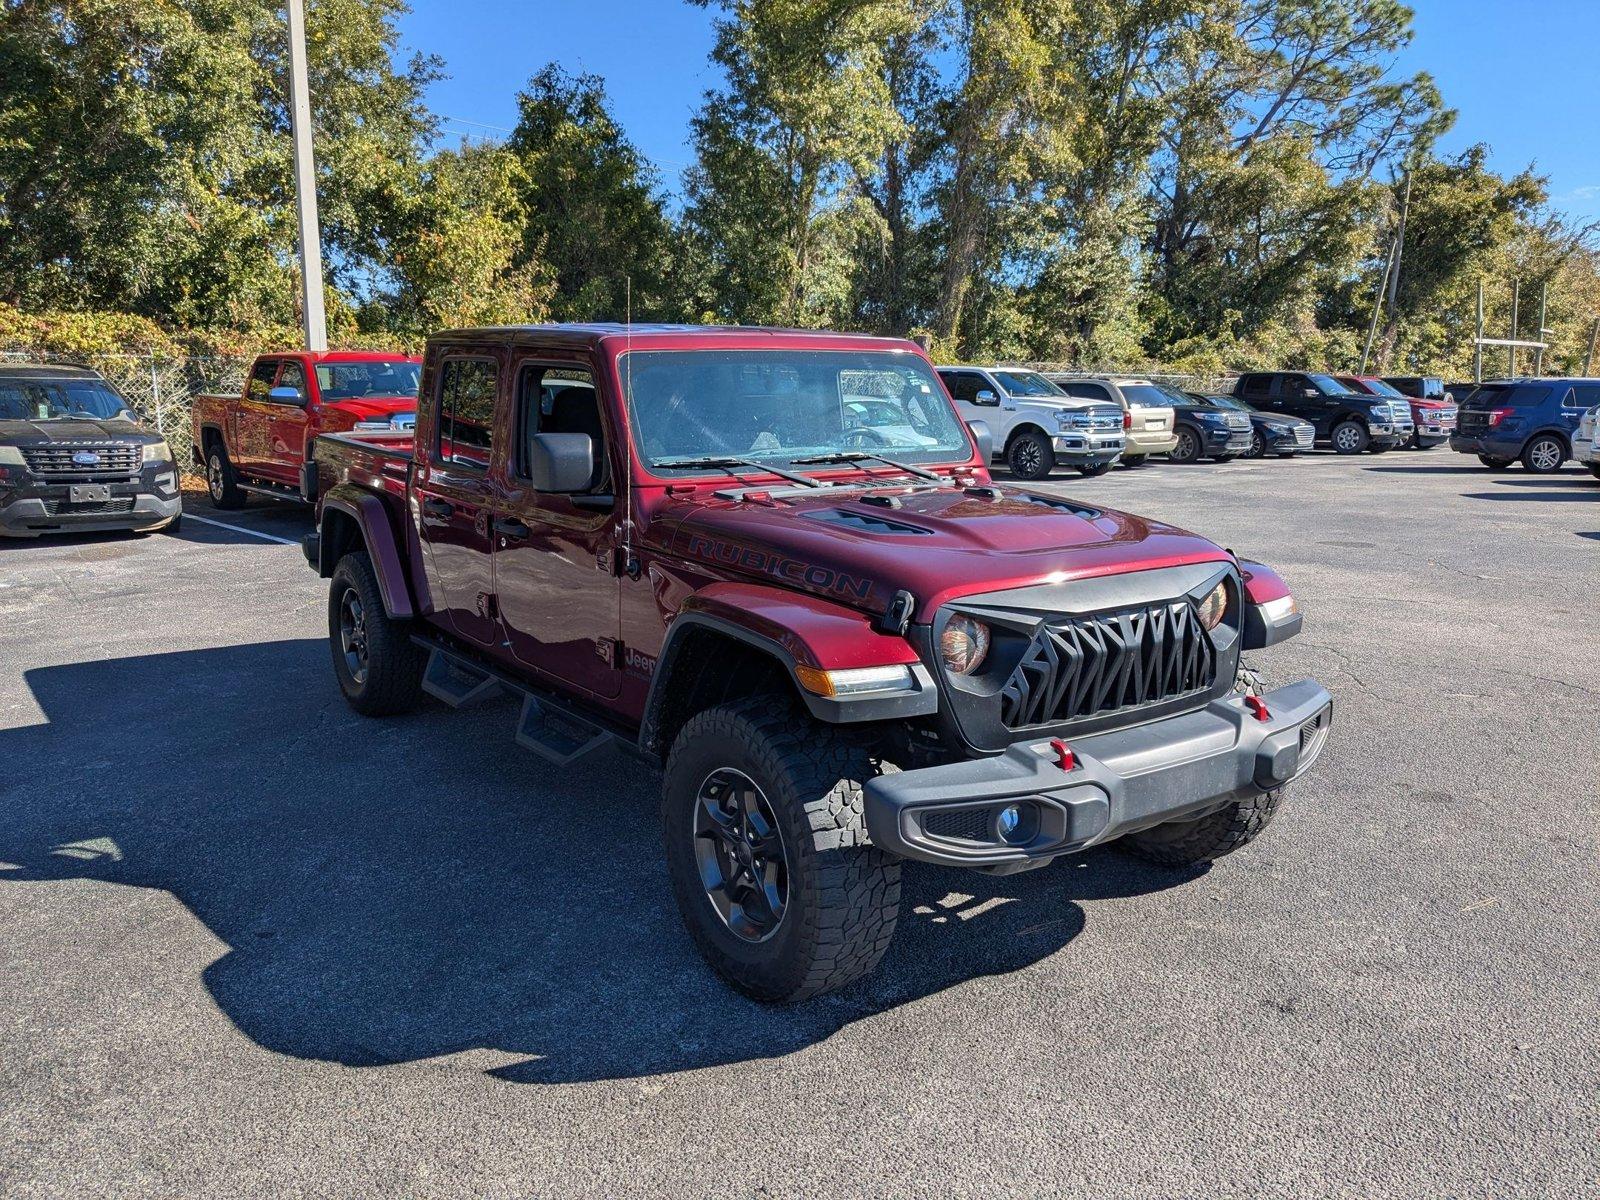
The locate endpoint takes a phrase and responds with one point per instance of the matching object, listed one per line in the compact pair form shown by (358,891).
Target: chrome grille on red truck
(83,460)
(1095,665)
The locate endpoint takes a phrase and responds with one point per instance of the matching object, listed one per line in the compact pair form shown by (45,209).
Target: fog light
(1010,821)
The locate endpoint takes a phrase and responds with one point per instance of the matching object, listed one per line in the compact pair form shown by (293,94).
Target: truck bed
(379,461)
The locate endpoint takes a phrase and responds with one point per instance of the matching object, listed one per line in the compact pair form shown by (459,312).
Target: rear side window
(1145,395)
(1523,396)
(1586,395)
(467,389)
(1086,391)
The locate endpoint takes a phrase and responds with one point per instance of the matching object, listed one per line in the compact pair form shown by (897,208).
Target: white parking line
(241,529)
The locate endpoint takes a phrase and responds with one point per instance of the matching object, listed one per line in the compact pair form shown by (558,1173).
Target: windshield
(1327,385)
(1026,383)
(1149,395)
(355,380)
(1379,388)
(58,399)
(781,405)
(1229,402)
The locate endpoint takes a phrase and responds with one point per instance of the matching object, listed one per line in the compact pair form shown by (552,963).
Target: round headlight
(1215,606)
(963,645)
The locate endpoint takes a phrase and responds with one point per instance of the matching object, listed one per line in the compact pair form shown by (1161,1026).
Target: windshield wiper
(850,456)
(728,461)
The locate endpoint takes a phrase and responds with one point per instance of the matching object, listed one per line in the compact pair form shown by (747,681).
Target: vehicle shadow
(1546,481)
(401,891)
(1548,495)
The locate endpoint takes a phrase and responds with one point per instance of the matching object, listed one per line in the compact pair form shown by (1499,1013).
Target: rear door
(555,566)
(454,493)
(285,427)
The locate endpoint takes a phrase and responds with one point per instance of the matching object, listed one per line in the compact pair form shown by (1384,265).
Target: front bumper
(1390,434)
(1226,441)
(29,508)
(1086,449)
(1588,453)
(1129,779)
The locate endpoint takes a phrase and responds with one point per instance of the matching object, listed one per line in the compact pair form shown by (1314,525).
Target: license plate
(88,493)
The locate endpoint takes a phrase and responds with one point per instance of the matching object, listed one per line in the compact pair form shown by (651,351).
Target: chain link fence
(162,388)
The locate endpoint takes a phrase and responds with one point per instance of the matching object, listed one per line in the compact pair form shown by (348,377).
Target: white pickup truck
(1034,425)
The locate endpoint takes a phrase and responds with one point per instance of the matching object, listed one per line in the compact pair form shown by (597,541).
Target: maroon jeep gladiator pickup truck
(773,563)
(256,441)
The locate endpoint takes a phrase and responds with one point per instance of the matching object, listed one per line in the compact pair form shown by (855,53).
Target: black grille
(967,824)
(112,460)
(56,508)
(1095,665)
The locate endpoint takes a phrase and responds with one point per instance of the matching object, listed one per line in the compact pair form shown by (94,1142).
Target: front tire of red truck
(768,853)
(378,666)
(221,480)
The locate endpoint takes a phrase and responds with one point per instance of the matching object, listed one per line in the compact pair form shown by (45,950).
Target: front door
(555,567)
(286,428)
(454,497)
(1303,399)
(964,387)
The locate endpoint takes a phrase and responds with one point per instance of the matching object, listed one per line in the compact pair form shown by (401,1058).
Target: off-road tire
(1030,455)
(843,893)
(222,481)
(394,663)
(1189,843)
(1495,464)
(1092,472)
(1544,454)
(1350,437)
(1188,447)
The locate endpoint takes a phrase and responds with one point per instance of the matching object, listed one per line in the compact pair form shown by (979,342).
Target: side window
(261,377)
(1585,395)
(1255,387)
(466,411)
(1573,399)
(558,399)
(963,385)
(1087,391)
(293,376)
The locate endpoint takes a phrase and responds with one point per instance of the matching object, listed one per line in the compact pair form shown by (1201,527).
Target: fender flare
(794,630)
(377,532)
(196,444)
(1267,620)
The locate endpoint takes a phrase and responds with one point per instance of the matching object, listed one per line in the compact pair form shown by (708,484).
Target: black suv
(1345,420)
(1529,419)
(75,458)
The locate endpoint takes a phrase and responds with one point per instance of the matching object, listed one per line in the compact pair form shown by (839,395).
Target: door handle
(510,527)
(437,508)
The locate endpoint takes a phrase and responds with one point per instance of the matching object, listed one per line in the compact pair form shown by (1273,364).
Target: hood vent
(1077,510)
(866,522)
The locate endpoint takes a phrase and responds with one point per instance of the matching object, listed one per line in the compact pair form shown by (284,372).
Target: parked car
(1418,387)
(255,442)
(1586,443)
(1208,429)
(1348,421)
(1283,436)
(1433,414)
(77,457)
(693,552)
(1534,420)
(1147,412)
(1035,426)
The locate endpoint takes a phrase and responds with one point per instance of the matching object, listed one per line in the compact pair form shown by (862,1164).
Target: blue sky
(1521,76)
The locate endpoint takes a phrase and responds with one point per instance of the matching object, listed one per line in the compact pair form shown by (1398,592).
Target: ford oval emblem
(86,458)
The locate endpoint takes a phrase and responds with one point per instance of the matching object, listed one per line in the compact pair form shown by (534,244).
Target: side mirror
(286,395)
(560,462)
(985,396)
(985,440)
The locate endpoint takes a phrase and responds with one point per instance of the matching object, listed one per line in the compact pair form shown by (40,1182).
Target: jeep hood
(862,546)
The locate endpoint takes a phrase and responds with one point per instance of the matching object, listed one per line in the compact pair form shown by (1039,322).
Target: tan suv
(1147,415)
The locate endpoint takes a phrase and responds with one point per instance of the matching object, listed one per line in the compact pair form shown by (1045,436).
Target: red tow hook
(1258,706)
(1064,756)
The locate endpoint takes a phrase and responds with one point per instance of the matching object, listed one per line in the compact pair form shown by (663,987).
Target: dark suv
(1346,420)
(1529,419)
(75,458)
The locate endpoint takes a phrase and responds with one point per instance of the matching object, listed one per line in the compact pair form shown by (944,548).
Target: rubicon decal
(823,579)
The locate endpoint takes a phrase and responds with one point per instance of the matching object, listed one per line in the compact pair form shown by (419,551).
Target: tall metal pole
(1377,307)
(1477,346)
(1594,334)
(1538,353)
(1399,244)
(305,181)
(1511,351)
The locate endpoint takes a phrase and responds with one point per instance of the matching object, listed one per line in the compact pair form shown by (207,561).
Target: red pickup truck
(256,442)
(773,564)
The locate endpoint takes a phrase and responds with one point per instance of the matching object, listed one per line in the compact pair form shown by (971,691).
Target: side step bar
(545,725)
(273,491)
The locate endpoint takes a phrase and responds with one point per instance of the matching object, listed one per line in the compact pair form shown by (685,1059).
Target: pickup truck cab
(773,564)
(256,442)
(1348,421)
(1034,424)
(76,457)
(1147,418)
(1433,412)
(1532,420)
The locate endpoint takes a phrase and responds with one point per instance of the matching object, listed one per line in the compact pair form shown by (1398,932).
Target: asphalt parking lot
(257,944)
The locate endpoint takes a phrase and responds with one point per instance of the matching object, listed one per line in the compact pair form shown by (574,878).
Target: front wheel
(767,849)
(378,666)
(1350,437)
(1030,455)
(1258,445)
(1544,454)
(1188,448)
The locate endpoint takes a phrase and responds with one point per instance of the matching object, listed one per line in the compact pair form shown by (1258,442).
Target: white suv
(1586,442)
(1033,423)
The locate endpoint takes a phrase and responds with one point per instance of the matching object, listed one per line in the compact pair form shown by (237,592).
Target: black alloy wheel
(739,849)
(353,634)
(1030,455)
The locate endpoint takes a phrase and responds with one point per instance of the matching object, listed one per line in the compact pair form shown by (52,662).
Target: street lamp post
(305,182)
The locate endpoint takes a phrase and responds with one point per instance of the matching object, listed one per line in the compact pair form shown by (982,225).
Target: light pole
(305,182)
